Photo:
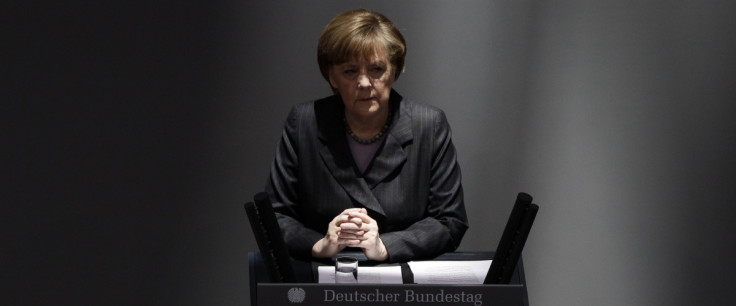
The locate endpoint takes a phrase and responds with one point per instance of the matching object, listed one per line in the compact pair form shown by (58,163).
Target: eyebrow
(372,63)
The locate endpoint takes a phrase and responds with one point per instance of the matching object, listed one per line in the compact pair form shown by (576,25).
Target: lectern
(277,279)
(306,291)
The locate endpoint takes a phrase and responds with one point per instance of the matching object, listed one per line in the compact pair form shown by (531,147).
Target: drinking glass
(346,269)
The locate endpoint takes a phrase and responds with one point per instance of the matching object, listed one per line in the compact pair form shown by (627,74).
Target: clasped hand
(352,228)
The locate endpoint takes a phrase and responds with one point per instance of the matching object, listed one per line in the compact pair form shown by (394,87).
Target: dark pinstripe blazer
(412,188)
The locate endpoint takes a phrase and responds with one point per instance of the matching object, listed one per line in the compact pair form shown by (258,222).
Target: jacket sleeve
(446,221)
(282,187)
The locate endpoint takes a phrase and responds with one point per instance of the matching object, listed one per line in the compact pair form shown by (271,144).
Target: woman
(366,168)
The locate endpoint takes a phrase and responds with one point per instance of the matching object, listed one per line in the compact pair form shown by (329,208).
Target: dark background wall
(133,133)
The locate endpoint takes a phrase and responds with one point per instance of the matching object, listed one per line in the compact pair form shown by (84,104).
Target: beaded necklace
(371,140)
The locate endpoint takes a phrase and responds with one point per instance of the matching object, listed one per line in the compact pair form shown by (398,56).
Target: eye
(377,71)
(350,71)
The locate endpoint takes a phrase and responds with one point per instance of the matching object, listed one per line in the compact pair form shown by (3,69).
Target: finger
(350,226)
(357,221)
(351,234)
(345,218)
(364,217)
(350,210)
(367,223)
(348,238)
(360,243)
(345,238)
(353,242)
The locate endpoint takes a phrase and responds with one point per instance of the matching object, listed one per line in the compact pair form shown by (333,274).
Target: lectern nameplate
(402,294)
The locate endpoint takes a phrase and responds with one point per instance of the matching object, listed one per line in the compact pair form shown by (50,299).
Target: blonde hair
(360,33)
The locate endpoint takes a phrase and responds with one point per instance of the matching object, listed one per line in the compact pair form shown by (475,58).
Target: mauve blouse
(363,153)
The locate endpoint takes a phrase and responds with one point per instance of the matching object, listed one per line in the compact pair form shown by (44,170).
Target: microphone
(269,239)
(512,241)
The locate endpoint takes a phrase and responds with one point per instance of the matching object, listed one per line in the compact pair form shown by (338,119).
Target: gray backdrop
(135,132)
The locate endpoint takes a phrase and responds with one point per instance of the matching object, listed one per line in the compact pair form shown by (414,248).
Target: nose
(363,81)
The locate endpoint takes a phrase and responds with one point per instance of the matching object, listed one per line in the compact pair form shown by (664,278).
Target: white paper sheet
(366,275)
(466,272)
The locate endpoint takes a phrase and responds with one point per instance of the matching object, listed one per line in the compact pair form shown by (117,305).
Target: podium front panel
(378,294)
(307,292)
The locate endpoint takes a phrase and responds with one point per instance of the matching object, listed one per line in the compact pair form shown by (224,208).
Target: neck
(367,126)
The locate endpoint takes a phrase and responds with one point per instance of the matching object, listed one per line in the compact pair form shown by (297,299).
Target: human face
(364,85)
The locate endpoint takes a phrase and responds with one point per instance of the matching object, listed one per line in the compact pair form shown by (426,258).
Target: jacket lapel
(336,154)
(392,156)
